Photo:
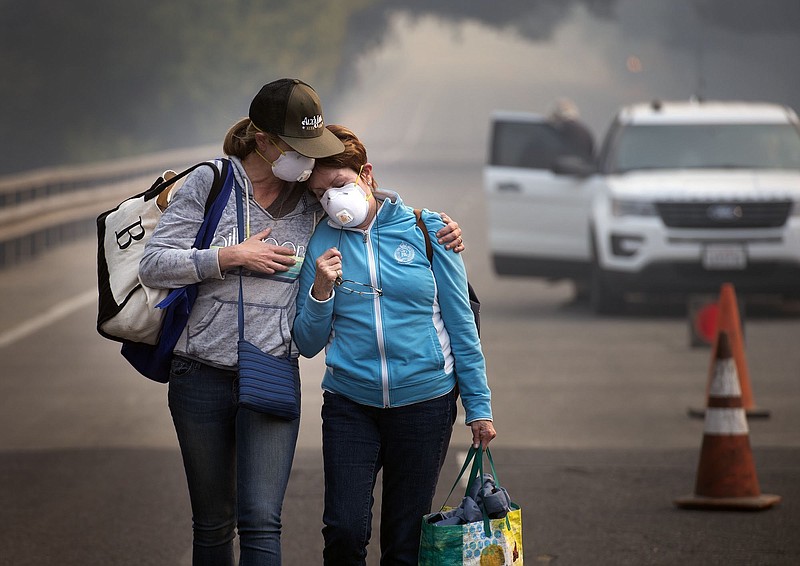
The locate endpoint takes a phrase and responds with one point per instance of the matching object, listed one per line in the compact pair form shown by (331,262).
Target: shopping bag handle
(470,455)
(496,481)
(475,455)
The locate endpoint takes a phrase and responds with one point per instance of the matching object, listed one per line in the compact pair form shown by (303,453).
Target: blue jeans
(237,466)
(410,444)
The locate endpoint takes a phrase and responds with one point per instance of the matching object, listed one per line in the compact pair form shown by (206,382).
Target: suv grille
(731,214)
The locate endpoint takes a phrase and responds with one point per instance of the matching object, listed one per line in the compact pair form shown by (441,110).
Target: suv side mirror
(572,165)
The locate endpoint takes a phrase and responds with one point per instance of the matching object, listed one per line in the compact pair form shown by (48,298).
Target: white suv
(683,197)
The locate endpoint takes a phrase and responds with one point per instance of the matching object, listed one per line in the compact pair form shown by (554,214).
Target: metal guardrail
(47,207)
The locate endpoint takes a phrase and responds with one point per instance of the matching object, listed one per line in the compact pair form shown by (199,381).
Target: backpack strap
(421,224)
(220,176)
(474,301)
(165,181)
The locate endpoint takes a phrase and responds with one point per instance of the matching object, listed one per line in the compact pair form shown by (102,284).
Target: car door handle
(509,187)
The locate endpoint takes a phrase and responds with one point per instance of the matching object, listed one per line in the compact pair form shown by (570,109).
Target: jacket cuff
(318,308)
(206,263)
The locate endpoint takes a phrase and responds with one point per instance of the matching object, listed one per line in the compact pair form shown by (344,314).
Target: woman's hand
(450,235)
(329,269)
(257,255)
(482,433)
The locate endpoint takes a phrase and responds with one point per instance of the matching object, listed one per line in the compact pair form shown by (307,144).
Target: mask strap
(276,146)
(261,155)
(367,195)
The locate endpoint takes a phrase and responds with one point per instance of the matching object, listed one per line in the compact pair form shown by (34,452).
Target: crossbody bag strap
(240,228)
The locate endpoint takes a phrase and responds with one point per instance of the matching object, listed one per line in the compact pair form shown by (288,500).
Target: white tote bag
(126,308)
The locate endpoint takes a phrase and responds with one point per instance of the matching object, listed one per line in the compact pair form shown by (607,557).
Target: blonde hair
(240,141)
(353,157)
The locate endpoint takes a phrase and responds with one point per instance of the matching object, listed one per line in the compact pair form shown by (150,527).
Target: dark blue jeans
(410,444)
(237,466)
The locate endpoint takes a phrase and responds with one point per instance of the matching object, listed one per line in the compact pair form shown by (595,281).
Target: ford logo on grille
(724,212)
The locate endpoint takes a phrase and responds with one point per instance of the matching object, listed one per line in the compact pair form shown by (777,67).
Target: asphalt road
(593,437)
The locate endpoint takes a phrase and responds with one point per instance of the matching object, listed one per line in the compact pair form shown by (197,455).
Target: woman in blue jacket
(400,345)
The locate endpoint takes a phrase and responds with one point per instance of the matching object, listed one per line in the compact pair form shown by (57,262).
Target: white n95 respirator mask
(290,166)
(348,206)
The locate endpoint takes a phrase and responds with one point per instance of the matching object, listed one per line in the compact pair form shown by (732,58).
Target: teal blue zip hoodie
(409,345)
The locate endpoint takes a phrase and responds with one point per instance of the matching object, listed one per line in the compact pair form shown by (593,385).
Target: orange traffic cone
(728,321)
(726,475)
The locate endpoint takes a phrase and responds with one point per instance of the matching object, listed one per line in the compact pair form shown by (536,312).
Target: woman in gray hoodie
(238,461)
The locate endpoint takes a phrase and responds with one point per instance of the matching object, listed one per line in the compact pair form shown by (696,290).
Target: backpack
(148,322)
(474,302)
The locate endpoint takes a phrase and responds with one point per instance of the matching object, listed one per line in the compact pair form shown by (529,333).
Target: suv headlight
(620,207)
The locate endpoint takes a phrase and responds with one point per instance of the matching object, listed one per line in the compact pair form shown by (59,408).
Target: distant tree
(91,79)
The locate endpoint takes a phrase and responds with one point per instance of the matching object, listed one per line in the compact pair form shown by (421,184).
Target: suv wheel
(603,298)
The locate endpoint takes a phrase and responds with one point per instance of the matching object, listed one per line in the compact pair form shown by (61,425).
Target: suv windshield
(689,146)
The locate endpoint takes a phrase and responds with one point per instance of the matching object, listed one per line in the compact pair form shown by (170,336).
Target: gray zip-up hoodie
(169,261)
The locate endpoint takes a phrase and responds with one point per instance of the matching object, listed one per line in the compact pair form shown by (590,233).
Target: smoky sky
(745,16)
(515,54)
(581,49)
(677,23)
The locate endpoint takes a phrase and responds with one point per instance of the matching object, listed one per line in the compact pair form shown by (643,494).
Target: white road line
(48,317)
